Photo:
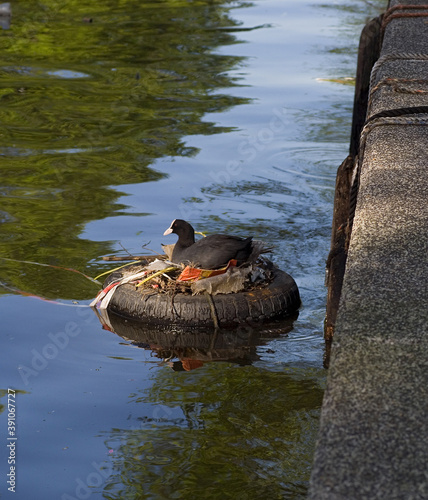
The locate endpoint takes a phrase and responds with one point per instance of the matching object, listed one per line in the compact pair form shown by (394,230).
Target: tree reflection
(86,106)
(237,433)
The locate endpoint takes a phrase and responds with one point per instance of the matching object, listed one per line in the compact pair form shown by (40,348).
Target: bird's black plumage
(211,252)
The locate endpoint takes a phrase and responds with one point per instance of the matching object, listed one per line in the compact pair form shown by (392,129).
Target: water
(117,118)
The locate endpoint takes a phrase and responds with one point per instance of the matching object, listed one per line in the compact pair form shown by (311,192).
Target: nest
(163,277)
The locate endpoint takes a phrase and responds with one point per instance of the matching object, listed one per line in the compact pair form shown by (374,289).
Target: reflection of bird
(210,252)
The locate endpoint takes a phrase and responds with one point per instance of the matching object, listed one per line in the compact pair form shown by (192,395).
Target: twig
(147,248)
(129,253)
(148,258)
(53,267)
(157,273)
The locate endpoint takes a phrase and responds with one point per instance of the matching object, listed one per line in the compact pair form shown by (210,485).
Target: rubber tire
(279,299)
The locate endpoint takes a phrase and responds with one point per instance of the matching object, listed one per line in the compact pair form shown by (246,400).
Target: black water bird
(211,252)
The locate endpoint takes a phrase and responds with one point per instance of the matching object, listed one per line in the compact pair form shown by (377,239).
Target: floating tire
(279,299)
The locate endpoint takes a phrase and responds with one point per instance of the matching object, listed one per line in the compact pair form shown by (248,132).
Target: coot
(211,252)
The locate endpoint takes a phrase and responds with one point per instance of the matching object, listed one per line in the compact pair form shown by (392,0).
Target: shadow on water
(211,447)
(187,349)
(207,428)
(87,106)
(217,445)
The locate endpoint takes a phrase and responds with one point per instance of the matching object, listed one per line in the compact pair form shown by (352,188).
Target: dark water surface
(115,118)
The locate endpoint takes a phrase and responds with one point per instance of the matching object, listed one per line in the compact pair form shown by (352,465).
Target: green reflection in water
(241,433)
(86,106)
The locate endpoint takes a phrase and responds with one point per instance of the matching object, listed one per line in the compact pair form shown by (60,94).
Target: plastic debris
(234,280)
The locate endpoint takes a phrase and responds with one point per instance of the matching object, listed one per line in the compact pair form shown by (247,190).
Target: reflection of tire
(280,298)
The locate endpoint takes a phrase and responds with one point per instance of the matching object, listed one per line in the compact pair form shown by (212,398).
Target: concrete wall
(373,441)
